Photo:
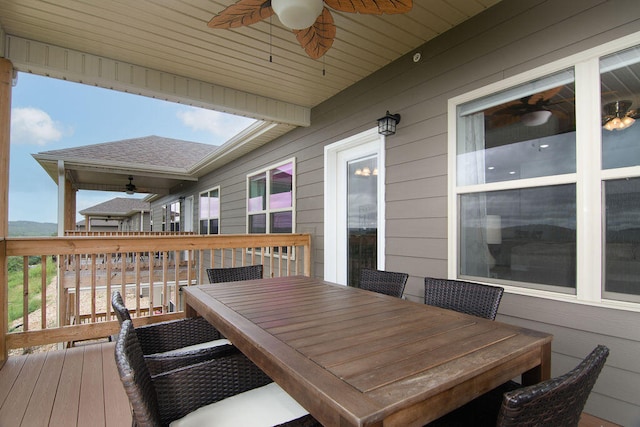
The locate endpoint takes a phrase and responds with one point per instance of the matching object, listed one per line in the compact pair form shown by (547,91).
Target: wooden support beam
(6,77)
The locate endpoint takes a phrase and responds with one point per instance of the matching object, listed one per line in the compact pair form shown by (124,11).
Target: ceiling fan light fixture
(130,187)
(618,111)
(297,14)
(535,118)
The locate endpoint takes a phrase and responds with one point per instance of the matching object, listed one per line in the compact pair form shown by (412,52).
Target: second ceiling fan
(310,20)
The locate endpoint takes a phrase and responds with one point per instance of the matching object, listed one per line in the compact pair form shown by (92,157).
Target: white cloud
(219,124)
(34,127)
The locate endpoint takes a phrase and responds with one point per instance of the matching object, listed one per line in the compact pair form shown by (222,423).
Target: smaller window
(173,210)
(210,211)
(270,199)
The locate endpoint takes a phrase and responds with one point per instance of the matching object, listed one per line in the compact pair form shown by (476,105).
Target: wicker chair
(169,345)
(234,274)
(555,402)
(226,391)
(465,297)
(383,282)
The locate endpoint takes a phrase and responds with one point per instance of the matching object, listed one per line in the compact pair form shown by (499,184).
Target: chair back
(465,297)
(122,312)
(383,282)
(558,401)
(135,377)
(234,274)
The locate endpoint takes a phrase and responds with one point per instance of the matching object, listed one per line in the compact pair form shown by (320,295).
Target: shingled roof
(150,150)
(120,206)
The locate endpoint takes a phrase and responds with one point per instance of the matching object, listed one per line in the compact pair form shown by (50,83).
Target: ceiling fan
(310,20)
(130,187)
(532,110)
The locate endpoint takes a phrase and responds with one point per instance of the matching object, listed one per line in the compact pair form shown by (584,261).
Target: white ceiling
(172,36)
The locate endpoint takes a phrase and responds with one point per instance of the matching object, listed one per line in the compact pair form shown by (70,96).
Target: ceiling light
(616,115)
(535,118)
(297,14)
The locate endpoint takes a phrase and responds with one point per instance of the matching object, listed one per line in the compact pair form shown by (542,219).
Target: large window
(546,185)
(210,211)
(270,195)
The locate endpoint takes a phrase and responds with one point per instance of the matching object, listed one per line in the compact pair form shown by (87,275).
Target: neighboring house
(98,225)
(478,183)
(118,214)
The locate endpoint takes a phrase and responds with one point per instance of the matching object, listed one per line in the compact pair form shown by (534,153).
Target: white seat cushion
(200,346)
(268,405)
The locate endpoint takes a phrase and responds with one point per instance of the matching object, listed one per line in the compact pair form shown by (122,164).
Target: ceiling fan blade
(318,38)
(242,13)
(542,97)
(375,7)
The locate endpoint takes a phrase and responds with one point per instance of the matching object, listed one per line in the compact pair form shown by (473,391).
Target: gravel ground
(35,318)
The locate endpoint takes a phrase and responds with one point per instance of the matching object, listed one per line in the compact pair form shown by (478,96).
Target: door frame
(335,237)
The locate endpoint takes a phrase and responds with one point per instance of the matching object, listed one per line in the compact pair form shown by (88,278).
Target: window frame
(166,216)
(267,211)
(589,177)
(217,187)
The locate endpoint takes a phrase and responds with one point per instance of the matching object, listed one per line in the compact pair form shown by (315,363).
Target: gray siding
(506,40)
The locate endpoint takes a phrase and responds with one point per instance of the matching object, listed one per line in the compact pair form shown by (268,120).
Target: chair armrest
(160,362)
(186,389)
(171,335)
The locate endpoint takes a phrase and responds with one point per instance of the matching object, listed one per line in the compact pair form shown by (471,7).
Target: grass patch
(15,279)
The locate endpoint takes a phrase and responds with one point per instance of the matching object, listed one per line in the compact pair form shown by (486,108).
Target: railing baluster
(165,274)
(25,293)
(43,300)
(93,288)
(77,294)
(137,289)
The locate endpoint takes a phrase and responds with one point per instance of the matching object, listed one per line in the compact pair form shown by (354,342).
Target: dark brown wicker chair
(556,402)
(169,345)
(465,297)
(383,282)
(164,398)
(234,274)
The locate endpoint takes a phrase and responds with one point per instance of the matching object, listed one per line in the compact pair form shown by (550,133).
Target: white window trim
(293,209)
(588,174)
(217,187)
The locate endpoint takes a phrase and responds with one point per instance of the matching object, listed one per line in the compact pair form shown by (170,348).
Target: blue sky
(51,114)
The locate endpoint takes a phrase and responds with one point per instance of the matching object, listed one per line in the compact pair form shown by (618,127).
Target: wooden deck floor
(79,386)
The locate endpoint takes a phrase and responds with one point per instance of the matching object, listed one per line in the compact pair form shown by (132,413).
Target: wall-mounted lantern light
(387,124)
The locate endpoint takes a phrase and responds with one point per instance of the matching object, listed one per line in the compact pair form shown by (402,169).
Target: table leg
(189,311)
(541,372)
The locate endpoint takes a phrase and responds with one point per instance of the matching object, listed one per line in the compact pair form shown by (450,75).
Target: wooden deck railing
(149,271)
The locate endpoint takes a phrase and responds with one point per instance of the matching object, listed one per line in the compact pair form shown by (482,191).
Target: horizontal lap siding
(506,40)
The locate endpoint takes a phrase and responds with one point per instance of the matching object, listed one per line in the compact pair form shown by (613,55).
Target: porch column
(69,206)
(66,201)
(6,75)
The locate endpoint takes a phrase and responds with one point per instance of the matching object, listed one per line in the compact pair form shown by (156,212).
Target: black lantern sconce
(387,124)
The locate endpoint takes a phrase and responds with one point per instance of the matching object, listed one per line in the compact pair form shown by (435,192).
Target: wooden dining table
(357,358)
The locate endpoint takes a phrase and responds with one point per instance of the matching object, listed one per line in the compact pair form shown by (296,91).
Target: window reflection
(520,133)
(525,235)
(622,236)
(620,88)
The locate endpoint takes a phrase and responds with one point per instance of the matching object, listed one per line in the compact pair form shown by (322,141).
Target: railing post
(6,77)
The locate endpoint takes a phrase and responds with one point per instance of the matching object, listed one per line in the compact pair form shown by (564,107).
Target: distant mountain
(32,229)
